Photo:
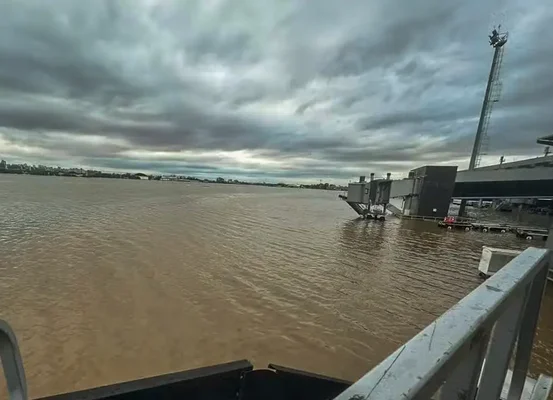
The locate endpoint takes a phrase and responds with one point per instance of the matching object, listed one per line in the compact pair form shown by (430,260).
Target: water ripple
(109,280)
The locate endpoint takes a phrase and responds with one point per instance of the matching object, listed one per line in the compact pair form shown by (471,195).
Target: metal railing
(12,363)
(465,353)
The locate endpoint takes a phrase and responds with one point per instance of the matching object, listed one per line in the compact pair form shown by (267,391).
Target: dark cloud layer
(272,90)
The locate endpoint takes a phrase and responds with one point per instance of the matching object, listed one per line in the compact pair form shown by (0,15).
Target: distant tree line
(79,172)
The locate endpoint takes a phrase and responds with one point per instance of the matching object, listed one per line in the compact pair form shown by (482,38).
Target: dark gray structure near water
(426,192)
(434,193)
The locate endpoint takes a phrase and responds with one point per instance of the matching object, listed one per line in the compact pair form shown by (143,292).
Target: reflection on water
(514,217)
(111,280)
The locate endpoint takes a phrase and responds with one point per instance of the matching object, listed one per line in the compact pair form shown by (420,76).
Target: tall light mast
(493,92)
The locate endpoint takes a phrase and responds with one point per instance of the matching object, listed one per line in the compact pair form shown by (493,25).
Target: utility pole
(493,92)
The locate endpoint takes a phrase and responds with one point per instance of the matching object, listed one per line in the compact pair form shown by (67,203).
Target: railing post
(463,382)
(527,332)
(549,245)
(500,349)
(12,363)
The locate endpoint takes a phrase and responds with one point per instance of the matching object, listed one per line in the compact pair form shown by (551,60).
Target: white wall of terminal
(519,174)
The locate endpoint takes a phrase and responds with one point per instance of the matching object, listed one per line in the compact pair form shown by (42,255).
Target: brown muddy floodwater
(111,280)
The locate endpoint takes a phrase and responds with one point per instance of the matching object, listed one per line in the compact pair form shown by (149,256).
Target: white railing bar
(526,335)
(542,388)
(500,349)
(419,368)
(12,363)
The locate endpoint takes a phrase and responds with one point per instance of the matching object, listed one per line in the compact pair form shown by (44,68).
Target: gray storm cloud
(267,90)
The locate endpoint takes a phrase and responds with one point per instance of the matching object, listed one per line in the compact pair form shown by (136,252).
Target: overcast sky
(274,90)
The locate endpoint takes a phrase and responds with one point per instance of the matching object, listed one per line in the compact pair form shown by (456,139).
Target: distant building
(141,176)
(3,165)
